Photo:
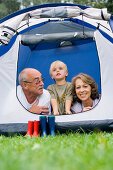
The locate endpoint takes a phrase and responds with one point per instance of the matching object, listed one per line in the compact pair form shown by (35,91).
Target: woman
(85,94)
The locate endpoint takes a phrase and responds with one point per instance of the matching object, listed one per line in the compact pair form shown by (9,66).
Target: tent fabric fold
(49,38)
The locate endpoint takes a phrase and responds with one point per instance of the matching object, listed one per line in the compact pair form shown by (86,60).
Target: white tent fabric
(8,29)
(11,109)
(13,112)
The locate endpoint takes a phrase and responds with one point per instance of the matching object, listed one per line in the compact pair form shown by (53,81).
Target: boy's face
(59,72)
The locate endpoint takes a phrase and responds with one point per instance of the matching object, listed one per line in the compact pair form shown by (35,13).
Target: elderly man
(31,94)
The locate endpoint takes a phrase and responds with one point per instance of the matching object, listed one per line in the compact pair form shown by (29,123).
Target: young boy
(61,92)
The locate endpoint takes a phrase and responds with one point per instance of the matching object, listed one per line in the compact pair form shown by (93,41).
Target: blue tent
(80,36)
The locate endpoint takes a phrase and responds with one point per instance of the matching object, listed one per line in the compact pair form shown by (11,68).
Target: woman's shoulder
(76,107)
(95,102)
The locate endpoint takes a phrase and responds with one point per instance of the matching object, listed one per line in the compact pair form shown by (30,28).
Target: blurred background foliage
(9,6)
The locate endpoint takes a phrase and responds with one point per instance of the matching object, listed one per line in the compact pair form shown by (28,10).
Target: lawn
(71,151)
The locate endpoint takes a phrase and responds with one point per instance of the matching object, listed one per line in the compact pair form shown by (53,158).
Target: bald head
(28,73)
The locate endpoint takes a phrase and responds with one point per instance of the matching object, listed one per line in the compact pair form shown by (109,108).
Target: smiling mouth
(83,95)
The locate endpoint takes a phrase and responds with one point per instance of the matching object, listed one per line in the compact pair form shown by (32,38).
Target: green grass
(72,151)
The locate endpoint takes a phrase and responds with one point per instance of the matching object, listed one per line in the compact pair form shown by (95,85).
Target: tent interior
(74,53)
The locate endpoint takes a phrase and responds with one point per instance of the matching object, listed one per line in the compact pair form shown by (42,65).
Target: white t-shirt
(44,99)
(78,107)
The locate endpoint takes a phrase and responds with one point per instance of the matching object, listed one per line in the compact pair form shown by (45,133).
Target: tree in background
(3,10)
(97,4)
(9,6)
(29,3)
(109,6)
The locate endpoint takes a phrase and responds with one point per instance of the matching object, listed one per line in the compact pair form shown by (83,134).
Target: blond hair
(57,63)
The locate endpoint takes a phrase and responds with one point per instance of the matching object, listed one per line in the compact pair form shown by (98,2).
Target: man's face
(35,83)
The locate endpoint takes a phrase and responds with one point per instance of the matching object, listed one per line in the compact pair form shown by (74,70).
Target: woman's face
(83,90)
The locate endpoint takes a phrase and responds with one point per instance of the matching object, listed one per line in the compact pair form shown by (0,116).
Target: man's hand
(39,109)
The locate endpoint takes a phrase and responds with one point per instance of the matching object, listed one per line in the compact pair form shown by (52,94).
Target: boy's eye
(60,68)
(54,69)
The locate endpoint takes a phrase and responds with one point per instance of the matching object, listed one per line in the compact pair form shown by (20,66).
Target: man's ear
(24,85)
